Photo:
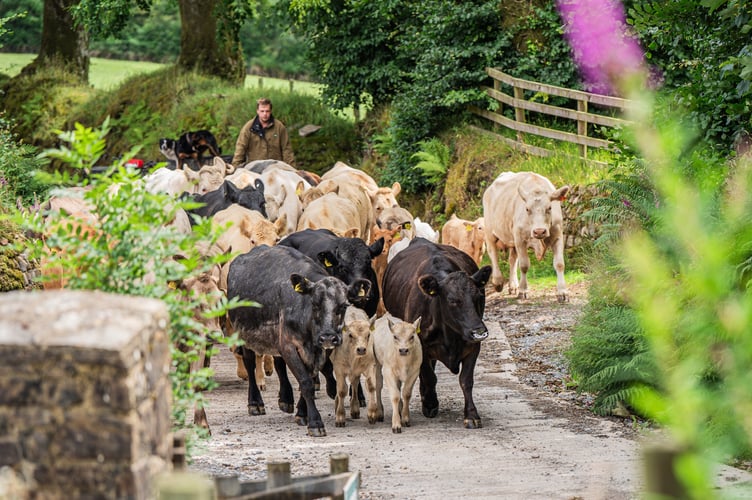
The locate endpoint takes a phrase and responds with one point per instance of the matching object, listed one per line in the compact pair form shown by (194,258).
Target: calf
(333,212)
(301,316)
(249,197)
(381,197)
(466,235)
(523,210)
(444,287)
(398,356)
(351,360)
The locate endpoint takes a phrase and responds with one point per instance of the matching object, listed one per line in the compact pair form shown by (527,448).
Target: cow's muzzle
(478,334)
(404,352)
(361,351)
(329,340)
(540,233)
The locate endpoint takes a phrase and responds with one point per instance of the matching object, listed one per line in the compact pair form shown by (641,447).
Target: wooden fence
(522,105)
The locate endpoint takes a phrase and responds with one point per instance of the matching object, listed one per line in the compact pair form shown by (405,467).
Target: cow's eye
(395,338)
(529,211)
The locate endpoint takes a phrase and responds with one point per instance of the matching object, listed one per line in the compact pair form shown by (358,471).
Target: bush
(18,166)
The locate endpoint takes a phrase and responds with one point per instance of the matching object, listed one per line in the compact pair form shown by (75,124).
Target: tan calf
(468,236)
(398,355)
(332,212)
(351,359)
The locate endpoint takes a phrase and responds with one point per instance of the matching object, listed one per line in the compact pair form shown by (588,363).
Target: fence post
(292,82)
(497,88)
(277,474)
(582,106)
(519,113)
(338,464)
(261,82)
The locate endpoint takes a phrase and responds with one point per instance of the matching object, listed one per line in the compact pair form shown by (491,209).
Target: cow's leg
(331,381)
(561,286)
(341,397)
(286,399)
(268,365)
(307,411)
(513,280)
(199,413)
(524,261)
(374,383)
(360,394)
(241,372)
(355,390)
(255,401)
(259,373)
(392,384)
(493,254)
(429,400)
(467,374)
(407,394)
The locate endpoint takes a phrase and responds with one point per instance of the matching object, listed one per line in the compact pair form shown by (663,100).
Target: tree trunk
(62,41)
(208,42)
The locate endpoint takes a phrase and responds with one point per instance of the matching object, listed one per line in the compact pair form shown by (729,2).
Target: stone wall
(84,393)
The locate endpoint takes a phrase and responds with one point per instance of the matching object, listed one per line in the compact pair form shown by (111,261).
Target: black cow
(351,258)
(251,197)
(351,261)
(301,316)
(444,287)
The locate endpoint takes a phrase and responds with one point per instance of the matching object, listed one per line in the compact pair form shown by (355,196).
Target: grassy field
(108,73)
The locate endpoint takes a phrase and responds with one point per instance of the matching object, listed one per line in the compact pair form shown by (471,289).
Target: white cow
(523,210)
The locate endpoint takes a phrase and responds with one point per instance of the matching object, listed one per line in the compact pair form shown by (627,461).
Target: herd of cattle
(351,284)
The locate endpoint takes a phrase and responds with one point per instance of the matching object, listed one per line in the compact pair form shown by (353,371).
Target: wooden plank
(307,488)
(541,131)
(547,109)
(614,102)
(582,126)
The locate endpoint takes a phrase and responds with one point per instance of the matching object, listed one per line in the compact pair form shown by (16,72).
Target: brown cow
(523,210)
(466,235)
(381,197)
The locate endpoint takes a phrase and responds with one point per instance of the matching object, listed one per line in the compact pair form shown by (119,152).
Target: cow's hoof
(339,424)
(316,432)
(262,387)
(255,410)
(430,412)
(362,403)
(522,295)
(562,298)
(301,420)
(498,288)
(396,430)
(406,423)
(286,407)
(473,423)
(355,416)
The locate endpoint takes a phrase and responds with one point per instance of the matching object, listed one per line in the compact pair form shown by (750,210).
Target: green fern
(433,160)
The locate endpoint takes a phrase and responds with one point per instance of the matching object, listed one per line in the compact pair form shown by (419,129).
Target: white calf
(398,355)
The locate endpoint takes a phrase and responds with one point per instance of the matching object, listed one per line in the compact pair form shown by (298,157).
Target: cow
(301,316)
(251,197)
(398,356)
(203,292)
(171,182)
(381,197)
(351,359)
(334,213)
(444,287)
(355,193)
(466,235)
(283,190)
(424,230)
(523,210)
(349,259)
(209,177)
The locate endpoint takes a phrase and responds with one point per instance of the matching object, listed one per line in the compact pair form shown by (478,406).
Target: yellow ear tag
(298,192)
(433,292)
(407,226)
(468,227)
(172,285)
(361,292)
(298,288)
(397,237)
(327,263)
(417,330)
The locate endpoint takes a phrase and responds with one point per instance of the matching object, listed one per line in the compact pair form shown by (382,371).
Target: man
(263,138)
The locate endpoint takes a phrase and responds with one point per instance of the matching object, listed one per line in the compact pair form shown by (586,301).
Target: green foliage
(40,103)
(609,356)
(704,58)
(433,160)
(18,165)
(132,252)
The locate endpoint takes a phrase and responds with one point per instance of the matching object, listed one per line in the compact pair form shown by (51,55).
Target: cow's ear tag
(468,227)
(172,285)
(298,192)
(407,226)
(432,292)
(397,237)
(417,330)
(327,263)
(298,288)
(361,292)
